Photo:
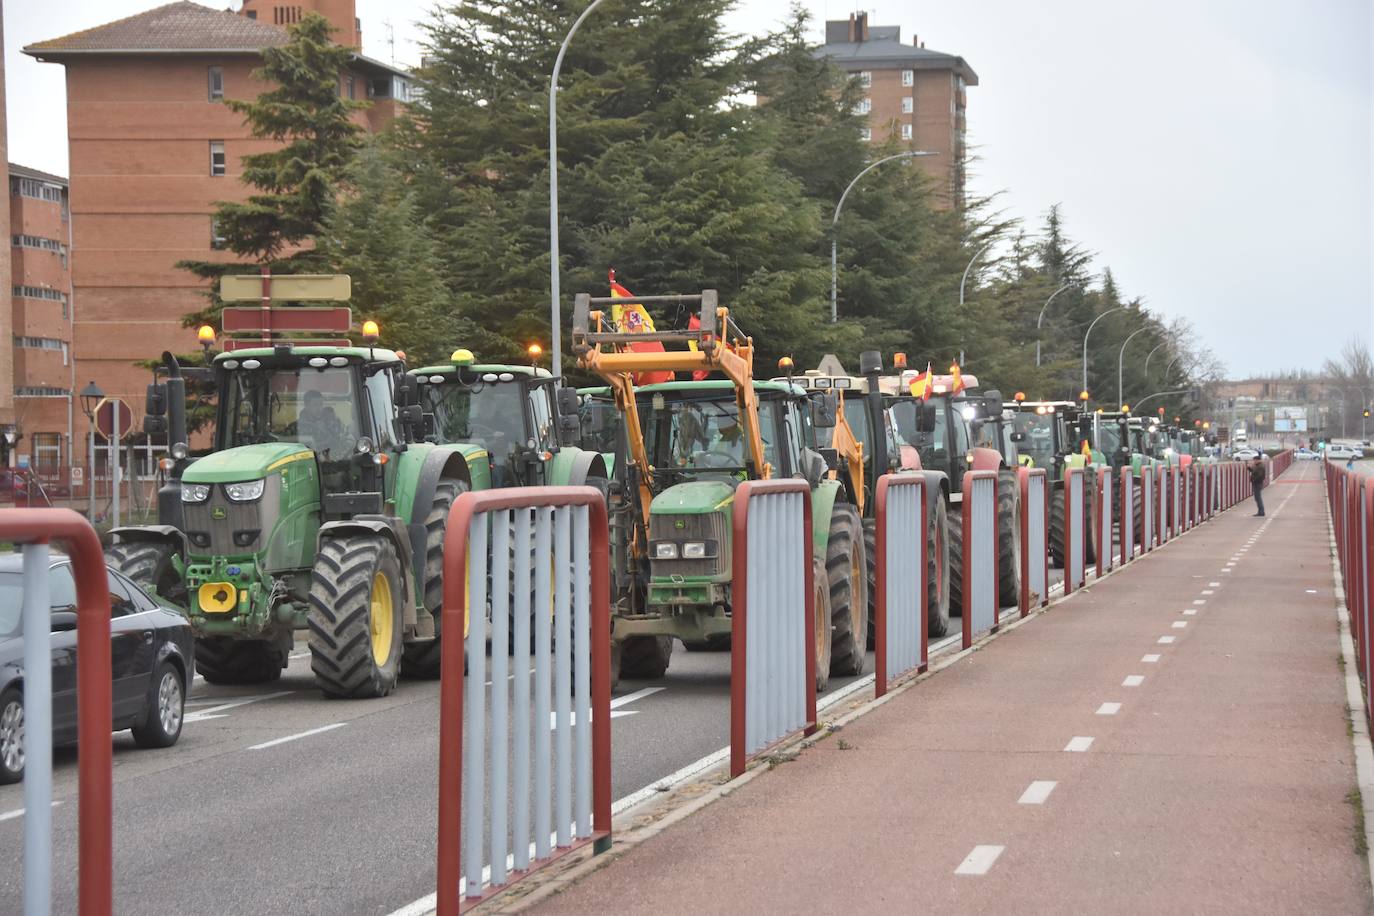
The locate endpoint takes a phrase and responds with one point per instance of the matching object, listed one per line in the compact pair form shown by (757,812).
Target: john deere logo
(219,513)
(680,523)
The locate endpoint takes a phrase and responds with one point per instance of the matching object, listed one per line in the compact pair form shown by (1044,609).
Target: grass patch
(844,745)
(1354,799)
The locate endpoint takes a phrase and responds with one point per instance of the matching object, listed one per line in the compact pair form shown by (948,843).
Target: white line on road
(1208,591)
(1037,792)
(19,812)
(1165,640)
(1190,612)
(1149,659)
(1214,584)
(615,704)
(979,861)
(1179,624)
(242,701)
(1078,745)
(1109,709)
(306,734)
(1134,680)
(1199,601)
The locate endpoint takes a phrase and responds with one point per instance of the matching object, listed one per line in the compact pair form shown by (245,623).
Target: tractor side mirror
(825,411)
(993,400)
(568,402)
(154,426)
(814,466)
(870,362)
(1018,437)
(927,421)
(155,402)
(412,417)
(429,430)
(407,390)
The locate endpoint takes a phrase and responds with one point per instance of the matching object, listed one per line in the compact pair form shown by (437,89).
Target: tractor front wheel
(938,570)
(421,659)
(149,564)
(645,658)
(847,577)
(355,616)
(1008,539)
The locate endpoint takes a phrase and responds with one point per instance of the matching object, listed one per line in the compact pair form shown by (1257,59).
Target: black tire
(1056,544)
(1008,539)
(11,736)
(824,634)
(1137,514)
(718,643)
(954,525)
(351,654)
(937,569)
(149,564)
(645,658)
(421,659)
(847,577)
(222,660)
(1089,520)
(871,562)
(166,707)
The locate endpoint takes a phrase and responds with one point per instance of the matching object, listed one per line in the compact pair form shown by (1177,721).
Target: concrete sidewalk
(1173,739)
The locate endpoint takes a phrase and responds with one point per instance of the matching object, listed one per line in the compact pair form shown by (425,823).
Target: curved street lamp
(1118,308)
(834,239)
(978,254)
(555,309)
(1120,357)
(1152,353)
(1039,321)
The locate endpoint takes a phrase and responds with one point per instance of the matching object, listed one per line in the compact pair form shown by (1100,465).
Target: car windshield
(1038,429)
(490,414)
(700,434)
(316,407)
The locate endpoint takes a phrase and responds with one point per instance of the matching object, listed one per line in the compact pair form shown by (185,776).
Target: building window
(38,343)
(42,244)
(40,292)
(217,157)
(215,75)
(864,106)
(865,134)
(908,105)
(217,240)
(865,78)
(906,131)
(39,391)
(38,190)
(47,450)
(908,77)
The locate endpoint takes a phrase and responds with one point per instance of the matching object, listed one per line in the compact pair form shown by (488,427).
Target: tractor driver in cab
(319,427)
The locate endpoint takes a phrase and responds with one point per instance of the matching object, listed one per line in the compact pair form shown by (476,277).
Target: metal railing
(35,529)
(1075,538)
(1350,495)
(901,596)
(1035,538)
(981,605)
(556,746)
(775,617)
(1127,516)
(1102,511)
(1148,512)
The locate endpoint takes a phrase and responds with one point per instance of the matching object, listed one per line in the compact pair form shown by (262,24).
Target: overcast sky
(1215,153)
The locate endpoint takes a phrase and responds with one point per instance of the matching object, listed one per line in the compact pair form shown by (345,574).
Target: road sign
(239,318)
(78,475)
(105,417)
(288,288)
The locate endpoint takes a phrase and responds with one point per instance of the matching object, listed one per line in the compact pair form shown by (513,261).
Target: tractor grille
(710,527)
(251,522)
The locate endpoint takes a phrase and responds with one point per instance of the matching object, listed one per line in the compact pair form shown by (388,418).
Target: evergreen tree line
(671,173)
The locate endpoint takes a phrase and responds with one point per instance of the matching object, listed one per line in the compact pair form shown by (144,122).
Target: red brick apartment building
(152,148)
(914,95)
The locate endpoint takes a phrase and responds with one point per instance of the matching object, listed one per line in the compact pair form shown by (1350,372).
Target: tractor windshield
(856,415)
(701,435)
(489,414)
(1038,429)
(1108,436)
(316,407)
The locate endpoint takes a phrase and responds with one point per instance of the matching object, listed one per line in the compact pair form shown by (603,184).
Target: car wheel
(166,706)
(11,736)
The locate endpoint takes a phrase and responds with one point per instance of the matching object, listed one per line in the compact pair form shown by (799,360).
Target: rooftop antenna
(391,40)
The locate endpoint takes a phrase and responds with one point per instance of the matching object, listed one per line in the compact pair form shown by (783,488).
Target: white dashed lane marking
(1078,744)
(1134,680)
(1149,659)
(1037,792)
(1214,584)
(1199,601)
(979,861)
(1180,624)
(1109,709)
(1208,591)
(306,734)
(1191,611)
(1165,640)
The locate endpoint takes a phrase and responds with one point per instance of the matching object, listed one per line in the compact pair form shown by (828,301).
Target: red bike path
(1222,782)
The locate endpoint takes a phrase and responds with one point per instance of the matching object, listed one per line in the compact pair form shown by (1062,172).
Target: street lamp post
(1120,357)
(1147,358)
(834,239)
(1085,340)
(1039,321)
(555,309)
(91,395)
(978,254)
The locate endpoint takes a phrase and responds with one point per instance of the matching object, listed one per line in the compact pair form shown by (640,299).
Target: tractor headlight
(245,492)
(694,550)
(665,550)
(195,492)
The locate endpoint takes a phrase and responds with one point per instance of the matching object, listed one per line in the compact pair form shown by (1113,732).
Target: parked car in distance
(1306,454)
(1245,454)
(1339,451)
(151,654)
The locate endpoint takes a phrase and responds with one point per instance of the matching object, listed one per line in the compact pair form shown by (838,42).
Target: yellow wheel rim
(383,620)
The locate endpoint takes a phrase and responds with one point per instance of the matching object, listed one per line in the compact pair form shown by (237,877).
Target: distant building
(152,148)
(914,95)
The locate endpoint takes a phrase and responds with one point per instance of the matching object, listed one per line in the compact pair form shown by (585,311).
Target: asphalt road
(276,800)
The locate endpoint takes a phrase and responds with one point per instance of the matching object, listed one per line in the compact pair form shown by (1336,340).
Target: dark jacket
(1257,473)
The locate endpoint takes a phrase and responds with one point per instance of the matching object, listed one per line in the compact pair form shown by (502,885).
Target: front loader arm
(848,446)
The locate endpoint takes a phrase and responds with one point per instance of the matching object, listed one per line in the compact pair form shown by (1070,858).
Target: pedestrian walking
(1257,483)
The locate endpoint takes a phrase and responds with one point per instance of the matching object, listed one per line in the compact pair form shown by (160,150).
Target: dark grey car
(151,662)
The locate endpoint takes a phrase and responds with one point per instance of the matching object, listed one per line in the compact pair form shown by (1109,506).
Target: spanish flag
(1087,452)
(920,385)
(958,383)
(633,318)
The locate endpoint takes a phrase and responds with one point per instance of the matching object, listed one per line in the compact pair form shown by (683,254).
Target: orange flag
(958,383)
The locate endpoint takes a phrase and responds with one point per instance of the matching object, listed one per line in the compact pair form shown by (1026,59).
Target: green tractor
(319,508)
(688,446)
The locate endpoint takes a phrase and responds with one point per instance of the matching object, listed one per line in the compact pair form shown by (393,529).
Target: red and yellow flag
(1087,452)
(958,378)
(920,385)
(633,318)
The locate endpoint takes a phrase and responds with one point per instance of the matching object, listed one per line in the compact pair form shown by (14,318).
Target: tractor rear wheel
(149,564)
(1138,513)
(718,643)
(645,658)
(847,577)
(937,569)
(222,660)
(355,616)
(871,556)
(421,659)
(1008,538)
(1056,544)
(824,633)
(954,526)
(1089,521)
